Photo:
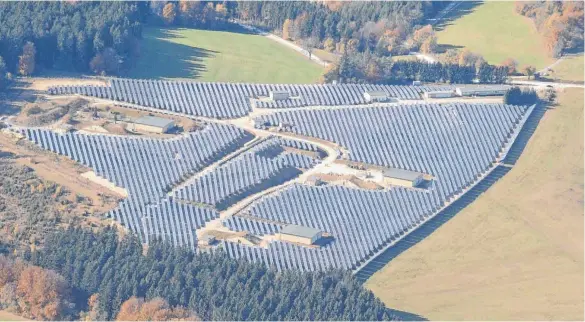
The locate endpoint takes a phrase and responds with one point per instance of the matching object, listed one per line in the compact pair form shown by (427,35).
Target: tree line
(518,96)
(359,68)
(42,294)
(76,36)
(110,270)
(385,27)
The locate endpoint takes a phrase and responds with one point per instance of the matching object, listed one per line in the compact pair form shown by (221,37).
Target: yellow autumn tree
(169,13)
(286,29)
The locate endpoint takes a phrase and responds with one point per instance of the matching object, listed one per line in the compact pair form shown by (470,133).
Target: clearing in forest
(220,56)
(516,253)
(494,30)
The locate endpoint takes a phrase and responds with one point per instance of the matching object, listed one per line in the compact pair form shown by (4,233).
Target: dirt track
(60,170)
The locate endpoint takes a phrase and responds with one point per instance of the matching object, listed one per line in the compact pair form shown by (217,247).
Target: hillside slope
(494,30)
(218,56)
(517,251)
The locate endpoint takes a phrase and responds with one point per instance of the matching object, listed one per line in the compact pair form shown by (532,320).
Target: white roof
(153,121)
(300,231)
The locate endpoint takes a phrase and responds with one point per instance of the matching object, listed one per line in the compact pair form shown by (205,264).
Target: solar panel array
(454,142)
(146,167)
(248,173)
(340,94)
(258,228)
(231,100)
(176,222)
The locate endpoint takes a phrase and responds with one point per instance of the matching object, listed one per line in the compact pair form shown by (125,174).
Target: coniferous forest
(104,37)
(110,270)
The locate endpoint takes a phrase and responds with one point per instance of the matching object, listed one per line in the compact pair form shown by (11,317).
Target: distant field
(326,56)
(494,30)
(569,69)
(404,58)
(220,57)
(7,316)
(516,253)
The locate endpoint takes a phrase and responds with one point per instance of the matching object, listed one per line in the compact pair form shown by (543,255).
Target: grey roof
(376,93)
(153,121)
(439,91)
(470,88)
(401,174)
(300,231)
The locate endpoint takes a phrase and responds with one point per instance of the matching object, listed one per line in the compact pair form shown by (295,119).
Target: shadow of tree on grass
(163,58)
(463,9)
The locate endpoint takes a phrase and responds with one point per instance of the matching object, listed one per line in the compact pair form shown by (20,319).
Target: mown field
(494,30)
(7,316)
(569,69)
(220,57)
(516,253)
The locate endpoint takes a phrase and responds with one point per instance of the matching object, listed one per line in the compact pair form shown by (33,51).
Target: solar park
(243,177)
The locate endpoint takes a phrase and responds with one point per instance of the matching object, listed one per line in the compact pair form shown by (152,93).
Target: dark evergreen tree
(212,285)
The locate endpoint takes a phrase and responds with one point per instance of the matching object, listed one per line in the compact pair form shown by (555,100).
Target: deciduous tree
(530,71)
(26,61)
(169,13)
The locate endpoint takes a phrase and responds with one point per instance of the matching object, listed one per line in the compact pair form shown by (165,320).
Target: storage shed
(402,177)
(376,96)
(482,90)
(300,234)
(439,94)
(152,124)
(277,95)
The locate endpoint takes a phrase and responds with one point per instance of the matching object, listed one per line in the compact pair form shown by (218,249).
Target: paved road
(540,84)
(425,57)
(544,70)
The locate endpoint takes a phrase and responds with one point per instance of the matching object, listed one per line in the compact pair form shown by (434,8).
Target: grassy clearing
(7,316)
(569,69)
(404,58)
(326,56)
(516,253)
(494,30)
(220,57)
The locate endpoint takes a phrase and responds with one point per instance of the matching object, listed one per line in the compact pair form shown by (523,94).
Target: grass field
(7,316)
(404,57)
(494,30)
(220,56)
(516,253)
(569,69)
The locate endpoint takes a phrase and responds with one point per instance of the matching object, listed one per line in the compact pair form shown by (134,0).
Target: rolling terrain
(220,56)
(516,253)
(497,32)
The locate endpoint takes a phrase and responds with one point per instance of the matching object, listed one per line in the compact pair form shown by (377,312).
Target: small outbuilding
(439,94)
(482,90)
(300,234)
(376,96)
(277,95)
(152,124)
(400,177)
